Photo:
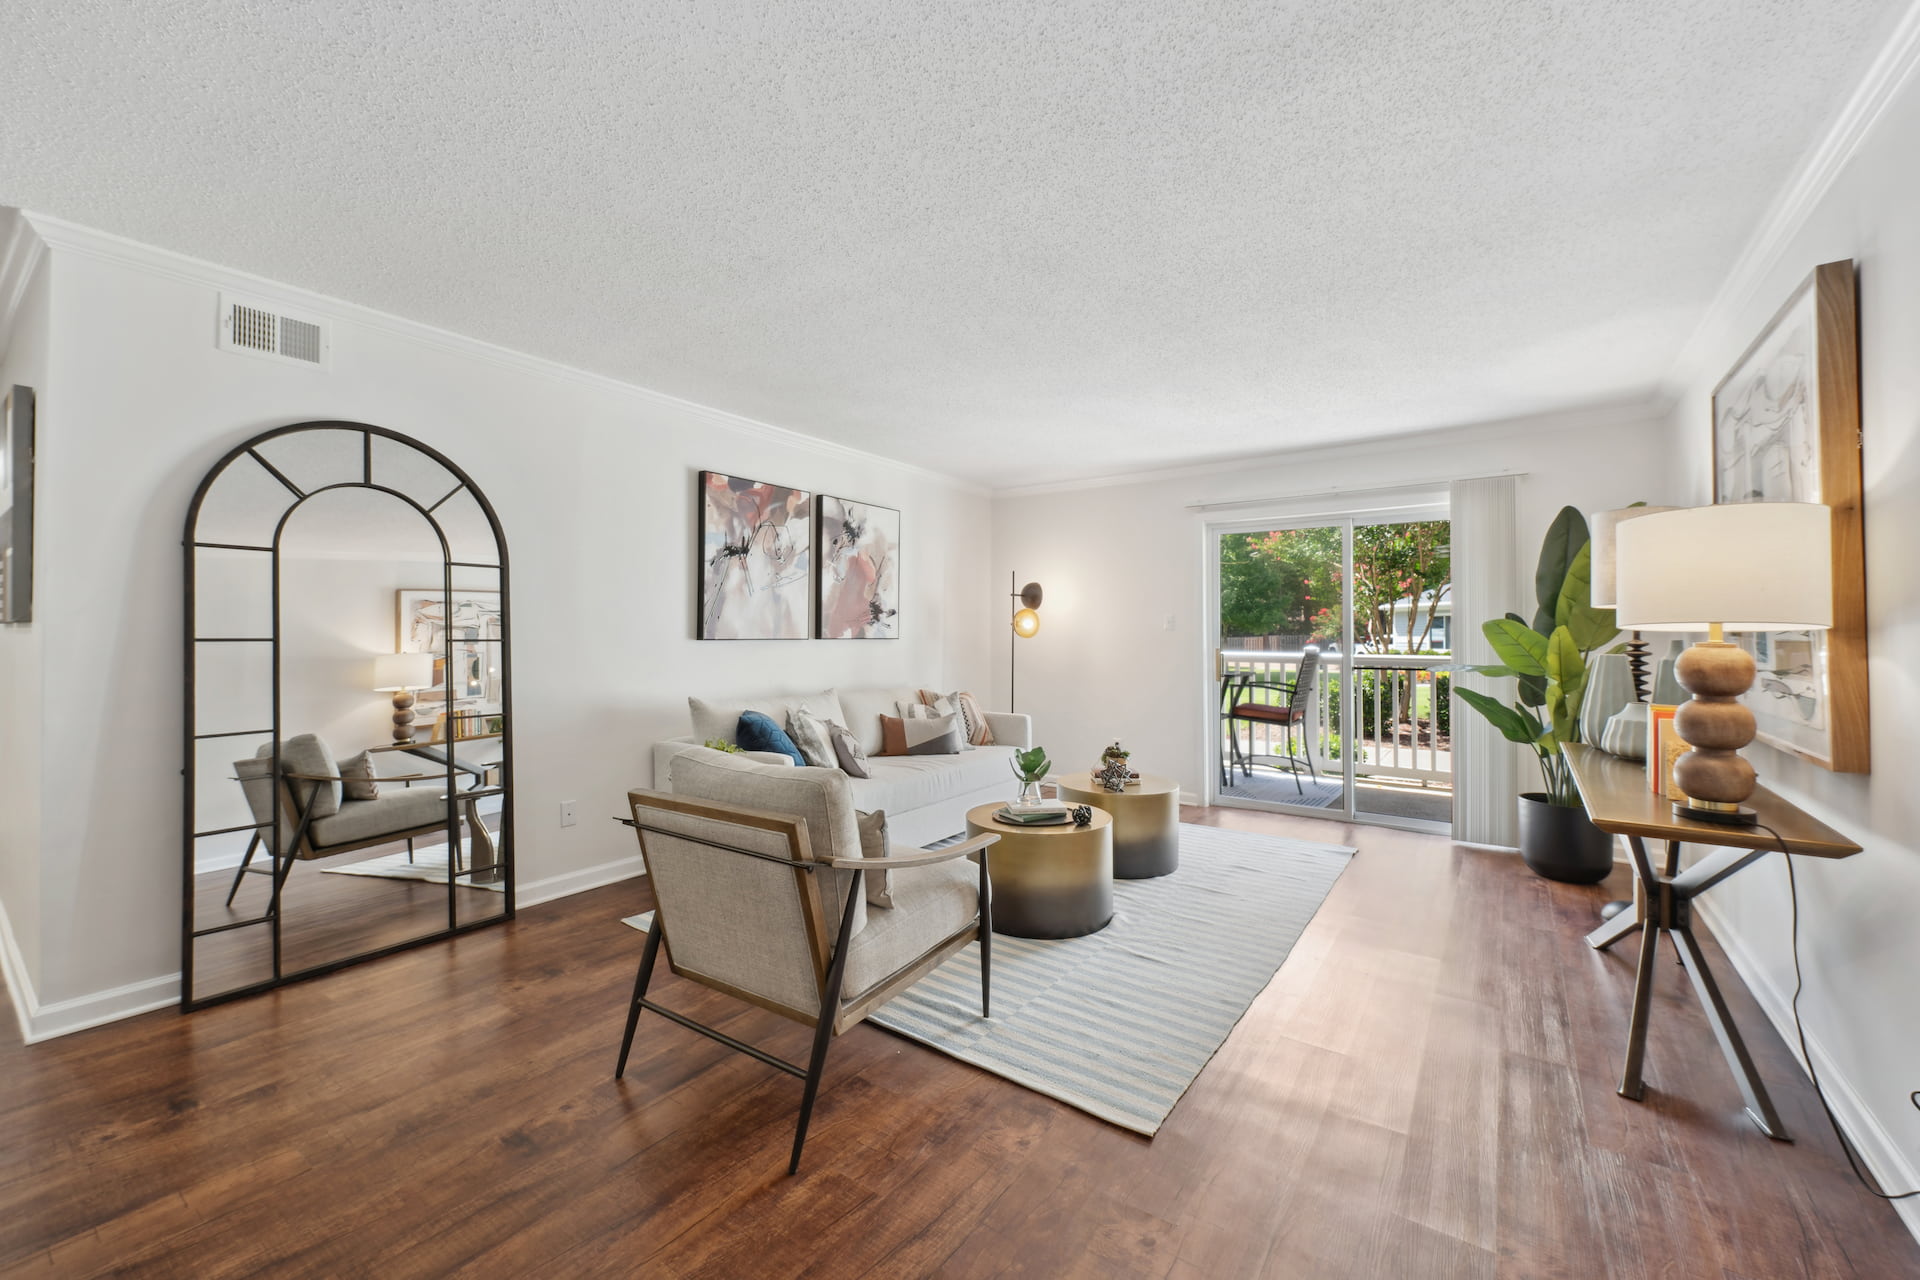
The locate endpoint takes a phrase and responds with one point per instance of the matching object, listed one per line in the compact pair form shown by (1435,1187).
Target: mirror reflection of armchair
(316,820)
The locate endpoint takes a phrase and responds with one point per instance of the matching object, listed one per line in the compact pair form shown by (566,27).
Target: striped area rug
(1119,1023)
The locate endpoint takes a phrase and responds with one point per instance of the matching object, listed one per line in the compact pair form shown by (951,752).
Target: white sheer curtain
(1485,793)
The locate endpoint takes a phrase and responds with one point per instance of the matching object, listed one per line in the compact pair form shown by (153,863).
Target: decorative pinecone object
(1082,815)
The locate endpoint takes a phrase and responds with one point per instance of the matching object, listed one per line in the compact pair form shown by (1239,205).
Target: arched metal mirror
(349,710)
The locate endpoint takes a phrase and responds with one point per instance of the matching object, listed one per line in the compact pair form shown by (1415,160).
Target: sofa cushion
(927,735)
(973,719)
(721,719)
(931,904)
(758,732)
(809,733)
(847,751)
(873,844)
(358,779)
(819,797)
(862,709)
(901,784)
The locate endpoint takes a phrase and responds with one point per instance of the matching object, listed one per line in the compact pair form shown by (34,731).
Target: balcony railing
(1401,703)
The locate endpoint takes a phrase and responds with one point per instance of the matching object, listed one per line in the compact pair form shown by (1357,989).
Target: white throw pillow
(809,733)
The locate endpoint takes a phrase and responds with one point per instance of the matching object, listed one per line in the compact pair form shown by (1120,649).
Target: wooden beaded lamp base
(1714,776)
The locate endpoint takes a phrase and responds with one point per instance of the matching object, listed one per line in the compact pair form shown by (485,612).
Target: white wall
(594,484)
(1117,561)
(1860,918)
(25,360)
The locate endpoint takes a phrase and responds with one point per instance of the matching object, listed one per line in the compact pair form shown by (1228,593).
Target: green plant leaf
(1493,669)
(1510,721)
(1520,647)
(1591,627)
(1566,684)
(1565,536)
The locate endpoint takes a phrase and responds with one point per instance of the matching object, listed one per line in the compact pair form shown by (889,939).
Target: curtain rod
(1338,491)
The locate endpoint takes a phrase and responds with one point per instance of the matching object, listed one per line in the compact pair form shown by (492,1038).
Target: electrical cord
(1860,1171)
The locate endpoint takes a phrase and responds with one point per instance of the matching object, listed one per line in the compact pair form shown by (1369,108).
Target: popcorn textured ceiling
(994,237)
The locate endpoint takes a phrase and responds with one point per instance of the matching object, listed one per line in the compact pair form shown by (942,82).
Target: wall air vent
(259,328)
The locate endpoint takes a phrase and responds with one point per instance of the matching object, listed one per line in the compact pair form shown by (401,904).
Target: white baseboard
(63,1017)
(1870,1139)
(571,882)
(43,1022)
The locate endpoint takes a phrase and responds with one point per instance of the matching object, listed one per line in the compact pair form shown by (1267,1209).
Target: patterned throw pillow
(920,736)
(873,844)
(758,732)
(357,778)
(973,720)
(847,750)
(934,707)
(809,733)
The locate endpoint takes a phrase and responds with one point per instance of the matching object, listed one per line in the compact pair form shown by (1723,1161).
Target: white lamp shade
(1603,525)
(1747,566)
(393,671)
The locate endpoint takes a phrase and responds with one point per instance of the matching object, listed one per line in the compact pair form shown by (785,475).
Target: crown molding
(69,237)
(19,259)
(1794,205)
(1613,413)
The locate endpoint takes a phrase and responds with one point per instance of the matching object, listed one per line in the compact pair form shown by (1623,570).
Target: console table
(1618,800)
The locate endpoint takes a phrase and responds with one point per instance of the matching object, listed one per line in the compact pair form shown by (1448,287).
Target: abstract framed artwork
(1786,428)
(756,550)
(426,618)
(859,571)
(16,505)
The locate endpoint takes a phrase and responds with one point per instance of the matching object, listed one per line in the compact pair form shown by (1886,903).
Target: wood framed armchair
(753,904)
(307,815)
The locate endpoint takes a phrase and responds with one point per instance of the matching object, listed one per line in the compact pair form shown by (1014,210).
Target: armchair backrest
(1303,679)
(303,753)
(742,904)
(819,798)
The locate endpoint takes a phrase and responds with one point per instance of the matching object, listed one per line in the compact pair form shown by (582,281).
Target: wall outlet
(569,812)
(1172,621)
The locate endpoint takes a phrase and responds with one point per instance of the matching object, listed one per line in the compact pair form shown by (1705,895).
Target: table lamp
(400,674)
(1741,566)
(1602,526)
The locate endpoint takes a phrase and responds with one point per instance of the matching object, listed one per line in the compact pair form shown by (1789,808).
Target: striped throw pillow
(973,720)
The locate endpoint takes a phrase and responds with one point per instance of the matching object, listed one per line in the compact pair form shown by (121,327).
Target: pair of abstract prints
(774,559)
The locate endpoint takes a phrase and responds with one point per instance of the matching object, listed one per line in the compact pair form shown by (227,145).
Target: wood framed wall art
(1786,428)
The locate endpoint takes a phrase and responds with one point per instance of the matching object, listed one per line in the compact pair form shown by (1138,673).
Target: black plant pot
(1559,843)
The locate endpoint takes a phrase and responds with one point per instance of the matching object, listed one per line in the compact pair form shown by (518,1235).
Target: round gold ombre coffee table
(1048,882)
(1146,821)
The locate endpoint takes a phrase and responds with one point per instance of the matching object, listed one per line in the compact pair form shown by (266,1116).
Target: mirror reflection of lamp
(1741,566)
(1026,624)
(400,674)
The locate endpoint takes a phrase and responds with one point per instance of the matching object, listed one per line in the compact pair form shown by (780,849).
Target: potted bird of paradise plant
(1548,660)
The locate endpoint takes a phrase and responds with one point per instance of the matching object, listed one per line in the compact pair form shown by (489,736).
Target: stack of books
(1045,814)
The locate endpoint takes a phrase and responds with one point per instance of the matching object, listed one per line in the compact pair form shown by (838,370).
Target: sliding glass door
(1332,665)
(1284,625)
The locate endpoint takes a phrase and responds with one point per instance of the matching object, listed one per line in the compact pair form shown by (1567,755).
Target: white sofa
(926,797)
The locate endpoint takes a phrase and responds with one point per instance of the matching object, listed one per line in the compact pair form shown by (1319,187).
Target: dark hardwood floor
(1425,1090)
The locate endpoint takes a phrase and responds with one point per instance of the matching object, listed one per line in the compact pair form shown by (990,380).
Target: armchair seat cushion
(398,809)
(930,905)
(1261,711)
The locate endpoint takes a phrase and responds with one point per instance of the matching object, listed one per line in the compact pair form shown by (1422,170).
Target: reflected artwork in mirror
(318,834)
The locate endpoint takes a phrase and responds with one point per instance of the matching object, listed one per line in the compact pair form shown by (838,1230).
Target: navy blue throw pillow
(757,732)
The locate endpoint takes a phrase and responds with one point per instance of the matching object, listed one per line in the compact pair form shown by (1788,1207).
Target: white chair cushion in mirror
(397,809)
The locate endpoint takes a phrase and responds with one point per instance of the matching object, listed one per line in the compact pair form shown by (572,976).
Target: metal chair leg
(1294,760)
(823,1027)
(245,862)
(640,982)
(986,939)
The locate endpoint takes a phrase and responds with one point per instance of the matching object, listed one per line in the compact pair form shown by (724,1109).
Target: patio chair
(1244,705)
(760,892)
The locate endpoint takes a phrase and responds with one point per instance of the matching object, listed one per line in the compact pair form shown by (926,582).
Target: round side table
(1146,821)
(1048,882)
